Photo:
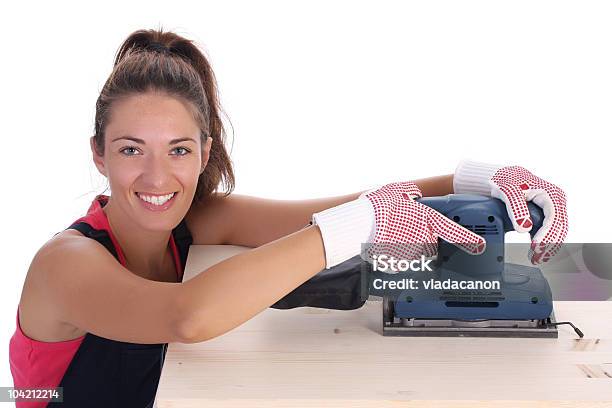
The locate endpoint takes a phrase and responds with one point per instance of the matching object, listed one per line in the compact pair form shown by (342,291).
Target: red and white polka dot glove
(393,222)
(415,226)
(515,186)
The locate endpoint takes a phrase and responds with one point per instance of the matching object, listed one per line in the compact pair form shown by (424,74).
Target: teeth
(157,200)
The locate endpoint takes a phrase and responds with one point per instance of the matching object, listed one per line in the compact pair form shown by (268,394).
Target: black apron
(110,373)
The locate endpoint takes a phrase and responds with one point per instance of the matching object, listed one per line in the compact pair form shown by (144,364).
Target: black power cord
(577,330)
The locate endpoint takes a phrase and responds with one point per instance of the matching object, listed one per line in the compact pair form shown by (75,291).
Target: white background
(326,98)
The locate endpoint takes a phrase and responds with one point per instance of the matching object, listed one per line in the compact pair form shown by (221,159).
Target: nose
(156,174)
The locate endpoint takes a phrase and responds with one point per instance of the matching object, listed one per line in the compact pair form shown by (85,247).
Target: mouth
(156,202)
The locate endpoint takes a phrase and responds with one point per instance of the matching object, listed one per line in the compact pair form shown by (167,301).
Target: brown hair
(164,61)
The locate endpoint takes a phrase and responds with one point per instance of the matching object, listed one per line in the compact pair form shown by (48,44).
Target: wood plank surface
(328,358)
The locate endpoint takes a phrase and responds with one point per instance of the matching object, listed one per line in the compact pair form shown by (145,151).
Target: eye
(184,149)
(128,148)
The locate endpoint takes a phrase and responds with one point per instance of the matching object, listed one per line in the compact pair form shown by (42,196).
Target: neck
(145,251)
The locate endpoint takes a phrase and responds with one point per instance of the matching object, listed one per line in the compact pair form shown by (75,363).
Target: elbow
(190,324)
(191,331)
(186,332)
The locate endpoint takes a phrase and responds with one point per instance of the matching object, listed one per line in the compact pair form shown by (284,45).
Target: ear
(98,160)
(206,153)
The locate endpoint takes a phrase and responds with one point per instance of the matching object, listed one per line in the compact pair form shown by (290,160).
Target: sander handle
(537,217)
(453,203)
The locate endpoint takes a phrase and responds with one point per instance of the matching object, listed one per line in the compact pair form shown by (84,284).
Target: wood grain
(328,358)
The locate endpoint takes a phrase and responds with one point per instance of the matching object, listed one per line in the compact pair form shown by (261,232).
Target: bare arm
(436,186)
(231,292)
(252,221)
(85,287)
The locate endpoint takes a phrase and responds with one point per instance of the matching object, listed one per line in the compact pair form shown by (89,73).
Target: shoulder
(63,257)
(69,244)
(55,265)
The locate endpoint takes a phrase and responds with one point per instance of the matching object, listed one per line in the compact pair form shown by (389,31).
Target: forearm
(233,291)
(257,221)
(290,216)
(302,212)
(436,186)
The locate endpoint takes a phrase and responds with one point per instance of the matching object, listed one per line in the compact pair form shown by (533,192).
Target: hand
(515,186)
(407,229)
(389,218)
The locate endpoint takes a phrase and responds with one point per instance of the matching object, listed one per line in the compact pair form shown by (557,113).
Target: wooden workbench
(328,358)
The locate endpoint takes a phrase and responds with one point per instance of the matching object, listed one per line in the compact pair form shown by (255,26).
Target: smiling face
(152,151)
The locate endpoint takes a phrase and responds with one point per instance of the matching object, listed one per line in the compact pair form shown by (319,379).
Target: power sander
(521,305)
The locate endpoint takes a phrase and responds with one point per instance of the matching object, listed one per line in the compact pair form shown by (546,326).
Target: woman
(103,297)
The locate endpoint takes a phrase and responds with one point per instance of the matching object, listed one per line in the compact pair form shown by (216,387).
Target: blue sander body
(519,305)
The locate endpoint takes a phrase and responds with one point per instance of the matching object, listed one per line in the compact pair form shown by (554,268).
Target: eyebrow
(140,141)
